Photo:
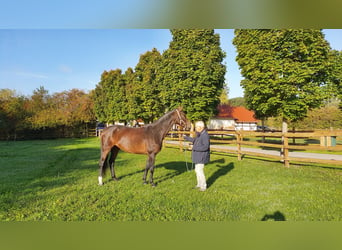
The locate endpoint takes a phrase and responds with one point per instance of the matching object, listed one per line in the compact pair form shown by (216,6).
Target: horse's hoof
(114,179)
(100,181)
(153,185)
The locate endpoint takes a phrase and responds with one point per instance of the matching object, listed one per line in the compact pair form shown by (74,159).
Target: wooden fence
(319,141)
(81,131)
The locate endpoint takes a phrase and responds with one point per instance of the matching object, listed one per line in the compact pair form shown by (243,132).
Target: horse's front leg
(151,176)
(149,166)
(151,159)
(146,171)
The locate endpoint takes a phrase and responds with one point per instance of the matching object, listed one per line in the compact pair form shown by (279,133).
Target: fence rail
(275,145)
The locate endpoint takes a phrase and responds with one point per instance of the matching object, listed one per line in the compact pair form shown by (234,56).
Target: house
(233,118)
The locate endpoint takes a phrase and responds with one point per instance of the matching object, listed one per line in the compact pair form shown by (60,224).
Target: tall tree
(335,88)
(132,95)
(193,73)
(117,108)
(101,98)
(110,97)
(283,70)
(147,88)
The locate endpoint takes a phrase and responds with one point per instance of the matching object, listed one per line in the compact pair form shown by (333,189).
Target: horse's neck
(164,125)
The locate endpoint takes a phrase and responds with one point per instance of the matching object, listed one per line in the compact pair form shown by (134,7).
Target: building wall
(229,124)
(248,126)
(221,124)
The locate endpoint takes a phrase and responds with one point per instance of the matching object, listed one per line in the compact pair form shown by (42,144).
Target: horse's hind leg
(102,164)
(114,152)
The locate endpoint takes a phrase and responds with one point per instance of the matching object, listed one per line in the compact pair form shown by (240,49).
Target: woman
(200,153)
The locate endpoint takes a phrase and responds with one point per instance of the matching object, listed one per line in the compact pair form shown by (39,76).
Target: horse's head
(181,118)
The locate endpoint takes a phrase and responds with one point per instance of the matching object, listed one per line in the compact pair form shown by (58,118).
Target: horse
(142,140)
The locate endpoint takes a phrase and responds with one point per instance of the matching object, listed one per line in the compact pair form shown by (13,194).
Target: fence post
(180,139)
(238,140)
(286,151)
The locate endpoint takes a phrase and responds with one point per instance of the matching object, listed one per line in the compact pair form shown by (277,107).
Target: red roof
(240,114)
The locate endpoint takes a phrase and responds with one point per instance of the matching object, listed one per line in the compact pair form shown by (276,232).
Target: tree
(283,70)
(67,111)
(77,108)
(13,112)
(71,108)
(237,101)
(224,95)
(39,99)
(192,72)
(101,98)
(117,108)
(335,87)
(110,97)
(147,88)
(41,113)
(326,117)
(132,95)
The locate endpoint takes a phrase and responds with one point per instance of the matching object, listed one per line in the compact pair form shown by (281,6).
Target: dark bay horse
(144,140)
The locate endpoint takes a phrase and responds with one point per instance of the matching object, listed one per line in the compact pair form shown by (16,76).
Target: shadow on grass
(276,216)
(221,171)
(178,168)
(64,167)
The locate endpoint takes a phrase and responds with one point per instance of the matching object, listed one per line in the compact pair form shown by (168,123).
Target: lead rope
(185,159)
(186,162)
(184,150)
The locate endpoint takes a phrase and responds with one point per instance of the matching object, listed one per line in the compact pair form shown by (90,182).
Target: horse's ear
(180,108)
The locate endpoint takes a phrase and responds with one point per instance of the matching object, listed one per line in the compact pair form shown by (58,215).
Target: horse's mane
(162,119)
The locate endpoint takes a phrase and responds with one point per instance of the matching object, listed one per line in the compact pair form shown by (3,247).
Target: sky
(62,59)
(65,59)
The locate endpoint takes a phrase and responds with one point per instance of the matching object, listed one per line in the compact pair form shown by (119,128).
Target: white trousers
(201,182)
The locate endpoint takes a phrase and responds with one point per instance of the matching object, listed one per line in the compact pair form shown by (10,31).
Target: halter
(180,118)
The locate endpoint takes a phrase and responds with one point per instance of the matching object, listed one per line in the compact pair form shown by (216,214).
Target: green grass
(56,180)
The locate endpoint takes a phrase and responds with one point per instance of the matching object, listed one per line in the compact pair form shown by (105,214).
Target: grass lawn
(56,180)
